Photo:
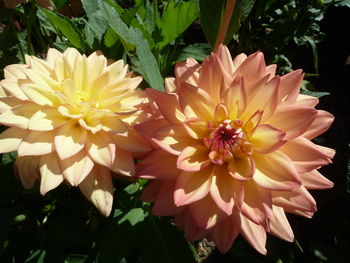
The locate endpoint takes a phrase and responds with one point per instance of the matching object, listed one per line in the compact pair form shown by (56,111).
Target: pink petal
(28,170)
(193,158)
(224,234)
(279,225)
(132,142)
(306,100)
(241,169)
(315,180)
(294,120)
(267,138)
(191,187)
(168,105)
(164,205)
(51,172)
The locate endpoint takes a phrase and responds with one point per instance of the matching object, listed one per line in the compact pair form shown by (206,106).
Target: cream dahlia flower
(71,118)
(233,151)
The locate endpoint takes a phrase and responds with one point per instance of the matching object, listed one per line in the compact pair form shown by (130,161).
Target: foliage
(151,36)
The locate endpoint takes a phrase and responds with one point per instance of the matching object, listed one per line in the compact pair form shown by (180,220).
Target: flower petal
(77,167)
(131,141)
(191,187)
(279,225)
(224,234)
(28,170)
(70,139)
(11,138)
(241,169)
(51,172)
(290,86)
(46,119)
(193,158)
(98,188)
(254,234)
(315,180)
(101,149)
(123,163)
(37,143)
(165,205)
(19,116)
(321,124)
(267,138)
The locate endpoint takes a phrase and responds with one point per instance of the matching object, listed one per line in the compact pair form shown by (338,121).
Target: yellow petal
(123,163)
(101,149)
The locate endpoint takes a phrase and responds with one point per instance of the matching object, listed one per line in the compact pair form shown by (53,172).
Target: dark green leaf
(8,158)
(134,216)
(307,89)
(175,20)
(197,51)
(66,27)
(211,13)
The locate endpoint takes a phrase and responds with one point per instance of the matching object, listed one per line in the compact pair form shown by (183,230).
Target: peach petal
(297,199)
(299,120)
(11,138)
(196,128)
(191,187)
(226,60)
(315,180)
(305,155)
(77,167)
(51,172)
(241,169)
(37,143)
(148,128)
(283,176)
(205,213)
(254,234)
(279,226)
(70,139)
(101,149)
(150,193)
(169,85)
(168,105)
(271,70)
(193,232)
(164,205)
(173,139)
(321,124)
(123,163)
(306,100)
(224,189)
(131,141)
(158,165)
(196,102)
(193,158)
(224,234)
(98,188)
(253,121)
(290,86)
(28,170)
(235,98)
(267,138)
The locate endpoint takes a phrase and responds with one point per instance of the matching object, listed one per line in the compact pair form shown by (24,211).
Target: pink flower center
(226,141)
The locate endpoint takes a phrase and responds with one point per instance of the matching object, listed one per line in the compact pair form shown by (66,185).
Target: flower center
(227,141)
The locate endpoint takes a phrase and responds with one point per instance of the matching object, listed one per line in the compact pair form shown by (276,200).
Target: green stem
(14,30)
(155,11)
(225,22)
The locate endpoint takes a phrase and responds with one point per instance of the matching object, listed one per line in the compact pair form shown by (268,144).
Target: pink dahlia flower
(233,151)
(71,118)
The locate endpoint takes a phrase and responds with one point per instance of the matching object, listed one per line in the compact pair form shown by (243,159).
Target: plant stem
(225,22)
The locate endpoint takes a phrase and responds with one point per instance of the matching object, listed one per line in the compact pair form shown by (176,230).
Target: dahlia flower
(71,118)
(233,150)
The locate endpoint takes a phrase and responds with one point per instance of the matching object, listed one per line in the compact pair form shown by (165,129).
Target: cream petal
(8,103)
(28,170)
(51,172)
(11,138)
(193,158)
(191,187)
(77,167)
(19,116)
(52,55)
(169,84)
(40,94)
(279,225)
(11,86)
(46,119)
(101,149)
(98,188)
(37,143)
(14,71)
(70,139)
(123,163)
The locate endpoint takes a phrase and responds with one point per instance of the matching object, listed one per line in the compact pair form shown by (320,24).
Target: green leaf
(110,37)
(198,51)
(175,19)
(8,158)
(132,188)
(211,13)
(132,39)
(342,3)
(98,23)
(89,35)
(66,27)
(307,89)
(134,216)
